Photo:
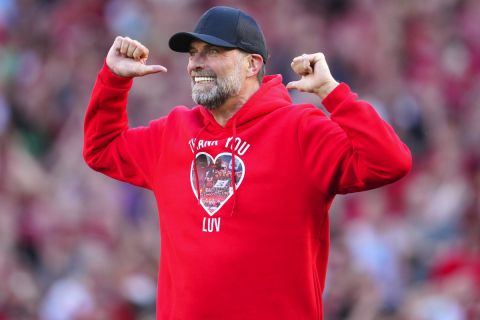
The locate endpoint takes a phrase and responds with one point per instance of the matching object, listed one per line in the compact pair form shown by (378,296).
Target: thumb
(155,68)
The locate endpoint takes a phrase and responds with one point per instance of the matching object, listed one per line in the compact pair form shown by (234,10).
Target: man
(254,245)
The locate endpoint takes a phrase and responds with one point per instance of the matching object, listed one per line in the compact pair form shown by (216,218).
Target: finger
(132,46)
(300,58)
(117,43)
(307,69)
(141,52)
(154,68)
(302,66)
(125,43)
(136,53)
(144,52)
(294,85)
(115,48)
(312,57)
(303,59)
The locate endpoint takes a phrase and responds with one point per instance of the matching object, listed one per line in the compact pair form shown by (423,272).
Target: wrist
(326,88)
(111,79)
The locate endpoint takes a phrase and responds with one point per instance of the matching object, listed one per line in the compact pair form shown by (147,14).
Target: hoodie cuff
(334,98)
(110,79)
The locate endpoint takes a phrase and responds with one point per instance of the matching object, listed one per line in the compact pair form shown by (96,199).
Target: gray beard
(222,90)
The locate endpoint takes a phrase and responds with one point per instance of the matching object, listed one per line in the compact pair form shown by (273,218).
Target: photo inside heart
(215,179)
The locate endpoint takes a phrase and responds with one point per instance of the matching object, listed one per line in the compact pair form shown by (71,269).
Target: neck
(227,110)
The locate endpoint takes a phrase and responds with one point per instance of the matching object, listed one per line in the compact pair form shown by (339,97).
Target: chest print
(215,179)
(214,173)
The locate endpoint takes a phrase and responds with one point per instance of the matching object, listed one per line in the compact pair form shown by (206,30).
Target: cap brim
(181,41)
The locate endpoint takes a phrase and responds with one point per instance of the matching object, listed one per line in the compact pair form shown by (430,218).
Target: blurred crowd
(75,245)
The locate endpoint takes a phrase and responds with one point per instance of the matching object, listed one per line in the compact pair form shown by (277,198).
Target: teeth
(202,79)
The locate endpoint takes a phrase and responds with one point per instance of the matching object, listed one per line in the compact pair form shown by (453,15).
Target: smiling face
(217,73)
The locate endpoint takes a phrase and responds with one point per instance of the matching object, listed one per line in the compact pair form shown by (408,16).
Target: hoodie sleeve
(355,149)
(110,146)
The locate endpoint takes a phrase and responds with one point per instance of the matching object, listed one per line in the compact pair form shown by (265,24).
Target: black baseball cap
(224,27)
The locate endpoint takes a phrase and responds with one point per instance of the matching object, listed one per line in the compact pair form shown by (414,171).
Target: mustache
(203,73)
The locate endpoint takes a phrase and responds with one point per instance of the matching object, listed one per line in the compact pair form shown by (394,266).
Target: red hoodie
(256,249)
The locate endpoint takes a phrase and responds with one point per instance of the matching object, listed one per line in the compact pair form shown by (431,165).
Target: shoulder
(181,114)
(300,111)
(308,117)
(177,113)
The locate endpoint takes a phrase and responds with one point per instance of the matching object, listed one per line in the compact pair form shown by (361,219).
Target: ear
(255,62)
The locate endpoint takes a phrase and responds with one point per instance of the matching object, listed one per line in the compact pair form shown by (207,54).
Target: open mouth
(198,79)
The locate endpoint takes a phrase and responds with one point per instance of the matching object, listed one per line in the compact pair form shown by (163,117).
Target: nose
(195,62)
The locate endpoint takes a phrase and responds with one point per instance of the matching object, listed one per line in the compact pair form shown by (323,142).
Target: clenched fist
(128,58)
(316,76)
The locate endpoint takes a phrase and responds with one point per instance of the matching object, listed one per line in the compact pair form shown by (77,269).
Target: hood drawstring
(197,181)
(234,151)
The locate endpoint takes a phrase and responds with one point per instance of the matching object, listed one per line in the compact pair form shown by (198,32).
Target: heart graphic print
(215,179)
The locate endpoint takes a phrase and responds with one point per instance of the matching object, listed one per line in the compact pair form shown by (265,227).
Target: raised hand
(128,58)
(316,76)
